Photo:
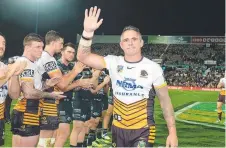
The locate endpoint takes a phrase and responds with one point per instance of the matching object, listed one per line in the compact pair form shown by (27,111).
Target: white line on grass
(186,108)
(193,122)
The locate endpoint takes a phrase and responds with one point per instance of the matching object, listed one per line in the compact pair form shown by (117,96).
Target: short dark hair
(32,37)
(1,34)
(52,36)
(130,27)
(69,44)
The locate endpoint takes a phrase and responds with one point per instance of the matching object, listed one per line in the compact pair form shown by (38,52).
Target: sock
(91,137)
(85,143)
(99,133)
(105,131)
(80,144)
(219,115)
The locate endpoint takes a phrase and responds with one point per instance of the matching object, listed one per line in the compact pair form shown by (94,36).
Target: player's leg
(118,137)
(106,121)
(28,141)
(97,107)
(144,137)
(24,135)
(219,107)
(2,130)
(77,128)
(63,132)
(93,123)
(47,131)
(81,136)
(49,123)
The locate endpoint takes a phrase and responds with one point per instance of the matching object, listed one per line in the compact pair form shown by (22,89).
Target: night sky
(152,17)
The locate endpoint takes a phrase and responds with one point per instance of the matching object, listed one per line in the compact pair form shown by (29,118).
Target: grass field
(189,135)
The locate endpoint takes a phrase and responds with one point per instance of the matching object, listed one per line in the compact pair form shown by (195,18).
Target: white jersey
(223,81)
(223,90)
(30,107)
(133,92)
(47,64)
(132,82)
(31,73)
(3,88)
(3,95)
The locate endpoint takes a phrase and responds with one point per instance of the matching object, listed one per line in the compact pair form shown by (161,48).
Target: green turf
(204,112)
(188,135)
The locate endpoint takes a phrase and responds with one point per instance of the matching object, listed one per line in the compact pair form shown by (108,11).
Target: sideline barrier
(192,88)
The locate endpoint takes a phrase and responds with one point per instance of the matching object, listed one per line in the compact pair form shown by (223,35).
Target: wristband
(85,38)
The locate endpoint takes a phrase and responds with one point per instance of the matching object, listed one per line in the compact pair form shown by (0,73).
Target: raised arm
(84,54)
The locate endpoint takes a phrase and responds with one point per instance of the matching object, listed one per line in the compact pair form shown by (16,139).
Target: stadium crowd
(183,63)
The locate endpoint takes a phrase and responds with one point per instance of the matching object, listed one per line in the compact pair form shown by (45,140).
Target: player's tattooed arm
(50,83)
(167,108)
(84,49)
(29,92)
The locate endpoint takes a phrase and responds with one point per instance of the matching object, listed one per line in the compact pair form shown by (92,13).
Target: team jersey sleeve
(158,78)
(108,61)
(50,66)
(28,74)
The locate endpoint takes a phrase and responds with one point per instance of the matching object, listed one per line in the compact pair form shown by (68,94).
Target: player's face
(131,43)
(36,48)
(2,46)
(69,54)
(58,45)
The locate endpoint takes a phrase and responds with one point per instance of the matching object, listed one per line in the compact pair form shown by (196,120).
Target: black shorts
(2,130)
(110,100)
(81,108)
(65,111)
(97,105)
(143,137)
(105,102)
(19,128)
(49,115)
(221,98)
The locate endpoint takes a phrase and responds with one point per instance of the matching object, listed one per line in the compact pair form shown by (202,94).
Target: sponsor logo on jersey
(50,66)
(130,67)
(128,84)
(27,73)
(129,94)
(119,68)
(143,74)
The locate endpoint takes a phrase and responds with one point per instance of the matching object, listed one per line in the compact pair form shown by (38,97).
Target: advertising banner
(208,39)
(179,39)
(157,39)
(192,88)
